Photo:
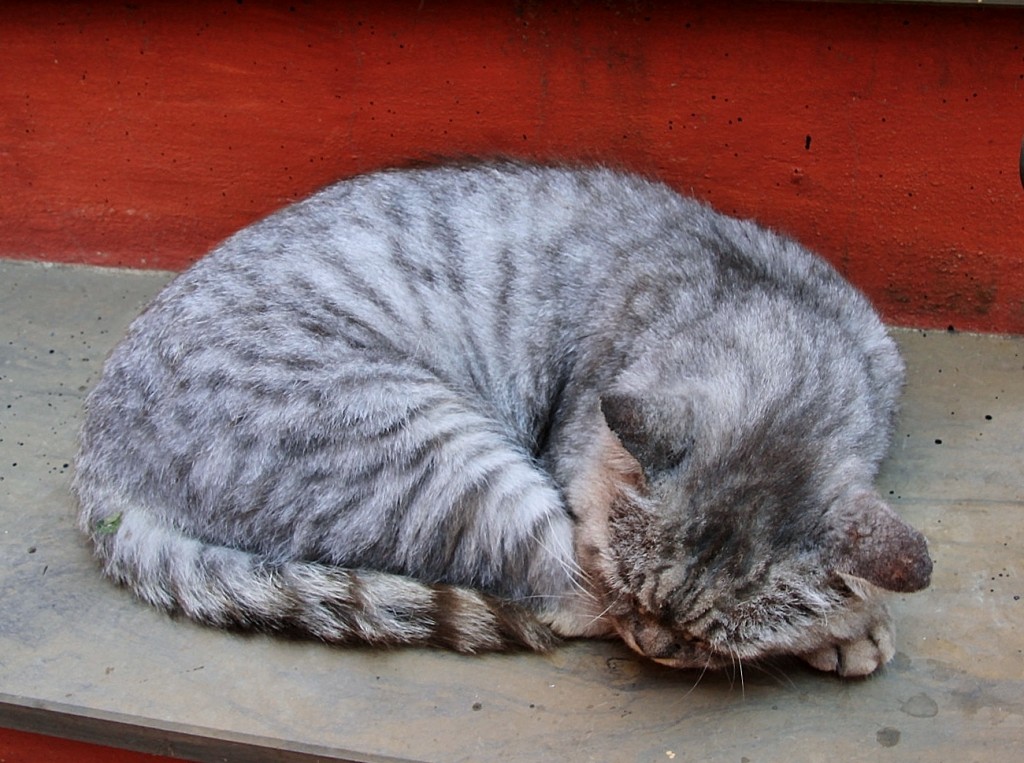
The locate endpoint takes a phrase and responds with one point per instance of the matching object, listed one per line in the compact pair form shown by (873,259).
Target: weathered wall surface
(884,136)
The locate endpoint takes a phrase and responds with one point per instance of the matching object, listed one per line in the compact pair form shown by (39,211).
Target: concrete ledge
(83,659)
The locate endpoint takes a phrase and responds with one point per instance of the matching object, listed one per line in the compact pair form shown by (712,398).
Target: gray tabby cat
(479,407)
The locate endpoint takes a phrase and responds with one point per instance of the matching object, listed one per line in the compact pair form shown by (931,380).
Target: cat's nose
(654,646)
(662,644)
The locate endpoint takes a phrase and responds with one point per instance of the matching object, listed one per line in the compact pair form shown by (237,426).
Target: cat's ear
(879,547)
(655,430)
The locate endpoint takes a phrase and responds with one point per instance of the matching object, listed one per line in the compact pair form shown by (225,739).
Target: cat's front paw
(858,656)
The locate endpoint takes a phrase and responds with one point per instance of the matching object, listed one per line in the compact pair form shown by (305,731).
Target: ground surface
(81,658)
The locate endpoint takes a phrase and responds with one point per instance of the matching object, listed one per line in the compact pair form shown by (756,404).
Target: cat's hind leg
(373,504)
(429,483)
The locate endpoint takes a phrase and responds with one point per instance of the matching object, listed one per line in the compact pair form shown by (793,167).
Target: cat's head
(739,540)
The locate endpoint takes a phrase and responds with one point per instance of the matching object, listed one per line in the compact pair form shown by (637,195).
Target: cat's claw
(858,657)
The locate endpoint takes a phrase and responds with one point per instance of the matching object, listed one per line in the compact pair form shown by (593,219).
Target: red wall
(21,747)
(884,136)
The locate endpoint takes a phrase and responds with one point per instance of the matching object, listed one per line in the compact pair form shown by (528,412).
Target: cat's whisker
(700,677)
(735,669)
(743,685)
(605,611)
(774,672)
(547,597)
(731,672)
(574,572)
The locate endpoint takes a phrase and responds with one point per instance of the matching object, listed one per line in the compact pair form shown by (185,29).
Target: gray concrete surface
(81,658)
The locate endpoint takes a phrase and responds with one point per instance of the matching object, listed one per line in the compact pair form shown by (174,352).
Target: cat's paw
(855,657)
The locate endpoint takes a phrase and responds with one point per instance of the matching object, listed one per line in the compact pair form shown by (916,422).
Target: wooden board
(81,658)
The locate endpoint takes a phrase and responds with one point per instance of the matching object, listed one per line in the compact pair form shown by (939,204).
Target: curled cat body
(486,406)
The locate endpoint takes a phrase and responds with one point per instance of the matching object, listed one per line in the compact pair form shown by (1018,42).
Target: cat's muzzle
(676,649)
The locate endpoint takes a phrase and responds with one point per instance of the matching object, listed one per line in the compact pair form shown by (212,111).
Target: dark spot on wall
(807,143)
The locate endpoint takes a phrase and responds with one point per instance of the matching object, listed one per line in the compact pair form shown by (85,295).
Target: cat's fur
(476,406)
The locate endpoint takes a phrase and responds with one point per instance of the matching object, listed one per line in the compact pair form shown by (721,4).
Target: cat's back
(451,226)
(439,251)
(505,236)
(488,275)
(498,276)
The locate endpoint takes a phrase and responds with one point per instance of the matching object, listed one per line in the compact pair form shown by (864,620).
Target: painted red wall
(22,747)
(884,136)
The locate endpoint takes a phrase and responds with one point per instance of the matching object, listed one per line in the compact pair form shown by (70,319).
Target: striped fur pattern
(484,406)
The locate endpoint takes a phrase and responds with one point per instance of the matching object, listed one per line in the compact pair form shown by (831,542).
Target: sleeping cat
(484,406)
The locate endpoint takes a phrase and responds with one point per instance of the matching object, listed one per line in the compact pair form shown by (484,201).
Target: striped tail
(229,588)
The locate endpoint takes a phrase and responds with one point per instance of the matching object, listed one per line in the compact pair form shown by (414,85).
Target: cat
(488,406)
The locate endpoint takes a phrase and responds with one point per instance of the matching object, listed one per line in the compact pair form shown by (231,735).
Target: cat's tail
(229,588)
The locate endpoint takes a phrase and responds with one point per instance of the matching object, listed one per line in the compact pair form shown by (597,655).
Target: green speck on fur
(108,526)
